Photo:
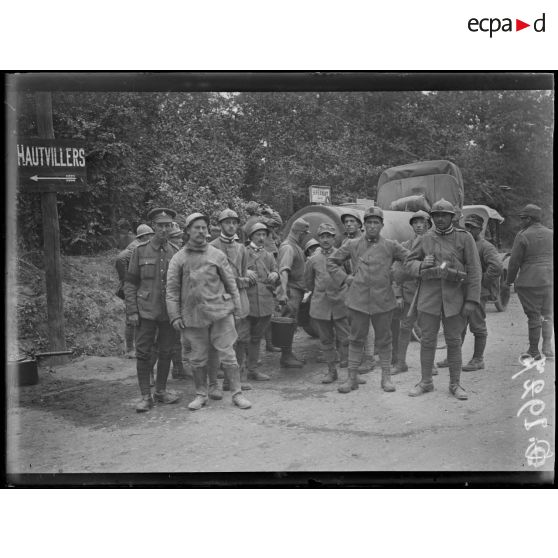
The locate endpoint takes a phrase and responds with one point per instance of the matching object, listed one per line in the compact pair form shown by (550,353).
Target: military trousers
(332,332)
(453,328)
(537,303)
(360,324)
(477,321)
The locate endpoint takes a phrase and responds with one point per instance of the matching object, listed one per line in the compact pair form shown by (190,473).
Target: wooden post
(51,238)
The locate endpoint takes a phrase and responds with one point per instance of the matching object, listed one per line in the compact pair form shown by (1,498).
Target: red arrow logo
(519,25)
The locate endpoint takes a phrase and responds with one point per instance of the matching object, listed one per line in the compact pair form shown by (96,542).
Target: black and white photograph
(279,275)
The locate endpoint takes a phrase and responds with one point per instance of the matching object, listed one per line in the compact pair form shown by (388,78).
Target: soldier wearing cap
(238,260)
(531,269)
(420,222)
(327,307)
(370,297)
(145,289)
(491,266)
(447,262)
(290,261)
(273,240)
(202,296)
(143,233)
(260,295)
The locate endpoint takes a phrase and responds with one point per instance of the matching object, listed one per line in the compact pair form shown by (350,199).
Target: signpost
(48,166)
(320,194)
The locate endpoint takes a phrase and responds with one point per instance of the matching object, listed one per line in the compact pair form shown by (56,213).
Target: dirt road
(81,418)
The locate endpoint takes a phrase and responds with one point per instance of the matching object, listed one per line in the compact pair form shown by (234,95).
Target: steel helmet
(310,243)
(193,217)
(531,210)
(443,206)
(228,214)
(420,214)
(351,213)
(176,231)
(143,229)
(257,227)
(374,212)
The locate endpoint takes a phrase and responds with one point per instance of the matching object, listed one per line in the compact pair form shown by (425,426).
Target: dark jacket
(260,295)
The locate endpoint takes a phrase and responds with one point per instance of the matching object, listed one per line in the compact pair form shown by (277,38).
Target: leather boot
(403,344)
(167,397)
(547,335)
(253,357)
(455,374)
(214,392)
(367,365)
(534,339)
(232,372)
(200,381)
(351,383)
(198,402)
(426,365)
(331,375)
(240,401)
(386,383)
(145,404)
(474,364)
(458,392)
(288,360)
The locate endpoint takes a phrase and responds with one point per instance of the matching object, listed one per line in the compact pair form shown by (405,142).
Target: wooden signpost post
(49,166)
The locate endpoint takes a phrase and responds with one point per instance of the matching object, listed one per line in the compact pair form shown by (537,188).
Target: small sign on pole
(50,165)
(320,194)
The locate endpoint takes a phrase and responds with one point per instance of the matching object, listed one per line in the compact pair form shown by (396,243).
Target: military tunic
(491,266)
(291,259)
(260,295)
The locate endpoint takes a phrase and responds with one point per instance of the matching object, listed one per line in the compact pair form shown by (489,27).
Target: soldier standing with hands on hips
(447,262)
(146,310)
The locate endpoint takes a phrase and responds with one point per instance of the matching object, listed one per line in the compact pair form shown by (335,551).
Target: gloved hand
(133,320)
(468,308)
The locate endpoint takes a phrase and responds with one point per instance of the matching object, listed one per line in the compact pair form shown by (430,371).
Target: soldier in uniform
(202,295)
(291,272)
(420,222)
(327,307)
(238,260)
(353,229)
(260,295)
(143,233)
(491,266)
(310,247)
(531,269)
(145,289)
(447,262)
(370,297)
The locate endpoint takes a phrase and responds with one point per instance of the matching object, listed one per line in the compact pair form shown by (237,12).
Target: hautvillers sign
(50,164)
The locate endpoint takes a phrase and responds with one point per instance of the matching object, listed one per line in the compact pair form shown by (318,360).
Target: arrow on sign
(67,178)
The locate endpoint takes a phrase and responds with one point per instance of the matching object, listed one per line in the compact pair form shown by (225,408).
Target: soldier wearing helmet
(310,247)
(531,269)
(260,295)
(235,252)
(202,296)
(143,234)
(145,290)
(420,222)
(370,297)
(352,223)
(447,262)
(327,306)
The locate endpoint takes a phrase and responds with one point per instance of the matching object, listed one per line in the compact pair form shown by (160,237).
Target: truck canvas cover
(436,179)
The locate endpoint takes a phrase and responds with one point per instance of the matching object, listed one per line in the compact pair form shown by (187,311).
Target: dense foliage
(207,151)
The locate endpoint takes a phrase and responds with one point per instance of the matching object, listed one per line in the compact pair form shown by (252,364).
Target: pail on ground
(282,331)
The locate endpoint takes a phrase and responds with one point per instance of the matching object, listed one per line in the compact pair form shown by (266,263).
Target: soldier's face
(162,230)
(373,226)
(442,220)
(419,226)
(229,226)
(351,225)
(258,238)
(326,241)
(197,232)
(474,231)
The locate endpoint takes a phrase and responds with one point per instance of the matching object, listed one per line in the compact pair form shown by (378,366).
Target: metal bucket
(282,331)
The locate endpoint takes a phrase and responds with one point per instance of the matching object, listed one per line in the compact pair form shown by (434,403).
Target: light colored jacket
(201,287)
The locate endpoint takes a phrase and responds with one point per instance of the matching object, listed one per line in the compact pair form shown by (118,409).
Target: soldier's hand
(133,320)
(429,261)
(349,280)
(399,302)
(273,277)
(178,324)
(252,277)
(468,308)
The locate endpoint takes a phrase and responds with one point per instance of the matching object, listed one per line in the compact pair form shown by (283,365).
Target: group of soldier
(215,298)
